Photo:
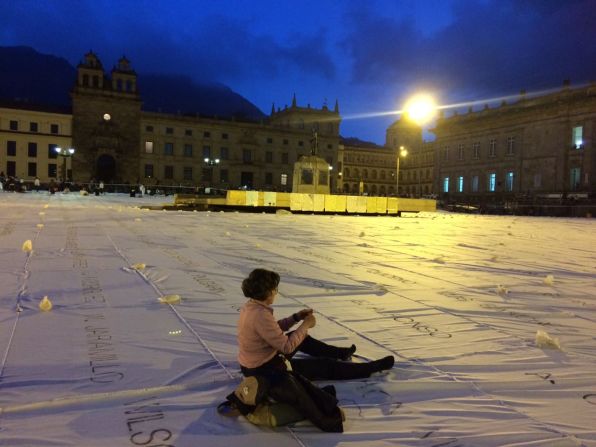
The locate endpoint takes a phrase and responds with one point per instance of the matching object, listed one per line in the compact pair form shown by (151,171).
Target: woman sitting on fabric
(266,350)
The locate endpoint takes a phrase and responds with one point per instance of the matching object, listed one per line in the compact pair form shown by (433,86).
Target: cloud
(164,39)
(489,47)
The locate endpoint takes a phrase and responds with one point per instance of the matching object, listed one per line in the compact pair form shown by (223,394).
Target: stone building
(533,147)
(28,138)
(116,141)
(366,168)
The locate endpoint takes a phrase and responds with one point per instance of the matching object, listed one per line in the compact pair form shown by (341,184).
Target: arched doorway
(106,168)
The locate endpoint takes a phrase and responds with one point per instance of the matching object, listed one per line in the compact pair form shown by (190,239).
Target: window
(537,180)
(52,150)
(510,145)
(306,177)
(286,142)
(168,149)
(301,143)
(446,184)
(270,140)
(14,125)
(148,147)
(32,150)
(52,171)
(474,183)
(268,178)
(574,178)
(188,150)
(148,171)
(11,168)
(268,157)
(33,127)
(460,184)
(509,181)
(246,155)
(32,169)
(492,182)
(224,176)
(577,137)
(224,153)
(461,151)
(169,130)
(187,173)
(149,128)
(207,175)
(284,179)
(492,145)
(476,150)
(285,158)
(206,151)
(329,146)
(54,128)
(224,136)
(188,132)
(324,177)
(11,148)
(168,172)
(206,134)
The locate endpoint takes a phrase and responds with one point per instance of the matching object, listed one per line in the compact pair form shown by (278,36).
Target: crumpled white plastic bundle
(545,341)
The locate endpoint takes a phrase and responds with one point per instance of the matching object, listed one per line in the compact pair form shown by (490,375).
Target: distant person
(101,186)
(37,184)
(264,349)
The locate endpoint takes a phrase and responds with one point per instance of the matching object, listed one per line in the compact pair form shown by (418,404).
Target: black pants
(319,405)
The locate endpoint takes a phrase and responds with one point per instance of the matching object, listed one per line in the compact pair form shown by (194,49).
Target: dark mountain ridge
(30,78)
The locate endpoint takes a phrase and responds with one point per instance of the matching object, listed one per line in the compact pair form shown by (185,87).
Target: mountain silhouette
(32,78)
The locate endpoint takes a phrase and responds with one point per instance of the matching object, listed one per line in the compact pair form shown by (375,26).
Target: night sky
(369,54)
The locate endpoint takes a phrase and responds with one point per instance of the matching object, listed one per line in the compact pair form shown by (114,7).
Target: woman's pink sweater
(260,337)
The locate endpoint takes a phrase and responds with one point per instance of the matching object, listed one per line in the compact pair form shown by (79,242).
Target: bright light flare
(421,109)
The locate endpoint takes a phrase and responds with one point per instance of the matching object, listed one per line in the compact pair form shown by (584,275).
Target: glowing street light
(421,109)
(64,153)
(403,152)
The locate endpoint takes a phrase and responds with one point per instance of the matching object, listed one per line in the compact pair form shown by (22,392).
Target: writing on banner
(104,366)
(417,325)
(145,423)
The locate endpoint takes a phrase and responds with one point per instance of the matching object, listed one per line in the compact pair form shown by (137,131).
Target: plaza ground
(458,299)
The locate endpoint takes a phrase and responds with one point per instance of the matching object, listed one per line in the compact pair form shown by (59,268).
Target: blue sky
(370,55)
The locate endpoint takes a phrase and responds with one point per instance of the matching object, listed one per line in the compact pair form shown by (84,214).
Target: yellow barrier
(328,203)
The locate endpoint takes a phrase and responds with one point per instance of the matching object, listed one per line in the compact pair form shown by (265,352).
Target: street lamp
(403,152)
(211,162)
(64,153)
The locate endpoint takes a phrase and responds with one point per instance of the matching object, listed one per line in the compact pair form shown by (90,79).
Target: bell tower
(106,122)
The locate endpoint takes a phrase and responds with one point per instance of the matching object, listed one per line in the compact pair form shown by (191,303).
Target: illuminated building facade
(116,141)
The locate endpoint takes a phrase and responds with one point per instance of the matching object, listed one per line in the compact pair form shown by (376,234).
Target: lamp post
(403,152)
(211,162)
(64,153)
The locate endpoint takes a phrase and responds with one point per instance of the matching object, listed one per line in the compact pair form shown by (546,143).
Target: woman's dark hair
(259,284)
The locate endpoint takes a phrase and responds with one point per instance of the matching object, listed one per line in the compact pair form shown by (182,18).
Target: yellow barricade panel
(319,202)
(296,201)
(340,204)
(236,198)
(269,198)
(361,207)
(352,204)
(392,205)
(382,205)
(252,198)
(283,199)
(307,202)
(371,204)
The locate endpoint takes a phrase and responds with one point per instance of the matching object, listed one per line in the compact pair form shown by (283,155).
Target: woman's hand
(310,321)
(304,313)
